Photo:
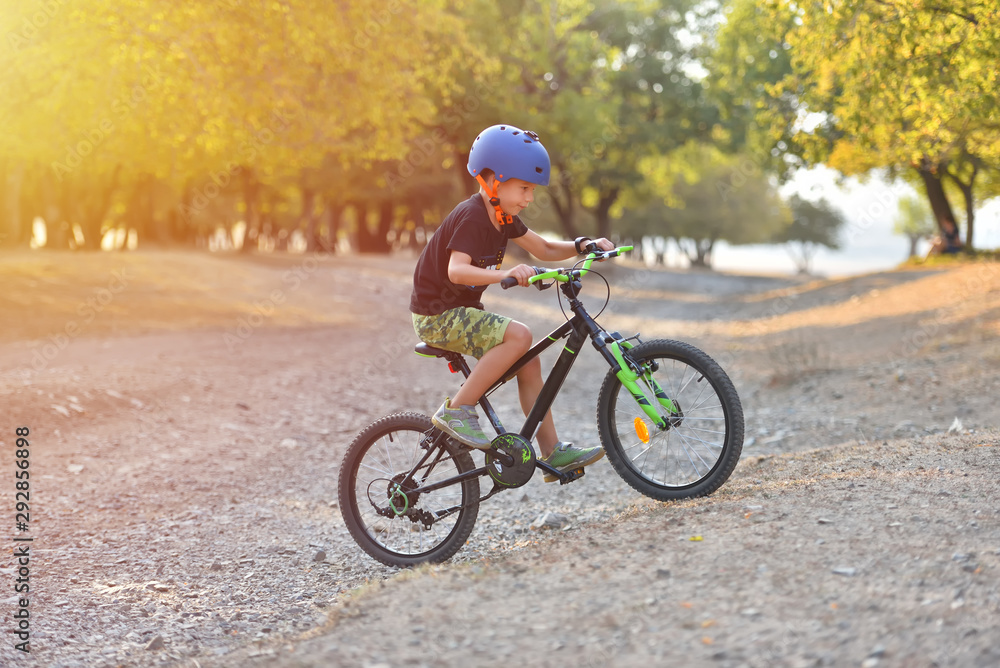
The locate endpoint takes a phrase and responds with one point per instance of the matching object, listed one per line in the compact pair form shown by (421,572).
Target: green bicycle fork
(629,379)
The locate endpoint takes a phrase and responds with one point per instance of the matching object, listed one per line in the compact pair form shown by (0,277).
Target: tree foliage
(914,221)
(900,84)
(813,224)
(103,100)
(747,55)
(707,196)
(350,118)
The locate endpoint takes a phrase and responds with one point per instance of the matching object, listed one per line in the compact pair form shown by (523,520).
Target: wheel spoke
(642,453)
(384,462)
(707,431)
(689,450)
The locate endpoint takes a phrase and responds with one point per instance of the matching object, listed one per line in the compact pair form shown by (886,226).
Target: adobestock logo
(94,137)
(88,310)
(31,25)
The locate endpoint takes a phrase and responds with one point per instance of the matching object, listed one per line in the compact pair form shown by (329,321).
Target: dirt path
(878,555)
(186,438)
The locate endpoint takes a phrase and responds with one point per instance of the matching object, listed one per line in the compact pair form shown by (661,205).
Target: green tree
(813,224)
(708,196)
(105,104)
(899,84)
(657,97)
(604,83)
(746,55)
(914,221)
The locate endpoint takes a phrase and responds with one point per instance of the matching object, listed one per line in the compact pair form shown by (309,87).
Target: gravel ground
(877,555)
(184,499)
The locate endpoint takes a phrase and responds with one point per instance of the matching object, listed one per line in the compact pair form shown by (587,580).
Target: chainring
(519,450)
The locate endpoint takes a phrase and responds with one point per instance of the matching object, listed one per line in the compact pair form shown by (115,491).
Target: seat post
(458,363)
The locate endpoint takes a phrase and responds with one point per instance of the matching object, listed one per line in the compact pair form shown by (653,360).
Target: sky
(867,241)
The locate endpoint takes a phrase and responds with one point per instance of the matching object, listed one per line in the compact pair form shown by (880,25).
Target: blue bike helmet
(511,153)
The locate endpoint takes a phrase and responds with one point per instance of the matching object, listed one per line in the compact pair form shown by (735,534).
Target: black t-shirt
(467,229)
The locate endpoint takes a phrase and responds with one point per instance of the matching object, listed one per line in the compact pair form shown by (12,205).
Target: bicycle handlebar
(563,275)
(510,281)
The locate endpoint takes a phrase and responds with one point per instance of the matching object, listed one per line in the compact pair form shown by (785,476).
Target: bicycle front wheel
(697,447)
(380,478)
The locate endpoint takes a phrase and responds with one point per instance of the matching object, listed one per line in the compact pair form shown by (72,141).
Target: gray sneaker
(567,457)
(462,424)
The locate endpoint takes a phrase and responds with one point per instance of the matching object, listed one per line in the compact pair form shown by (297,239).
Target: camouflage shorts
(470,331)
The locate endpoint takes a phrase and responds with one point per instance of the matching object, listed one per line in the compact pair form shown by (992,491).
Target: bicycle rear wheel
(697,450)
(388,521)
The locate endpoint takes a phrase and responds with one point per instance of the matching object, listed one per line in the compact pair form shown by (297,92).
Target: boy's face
(515,195)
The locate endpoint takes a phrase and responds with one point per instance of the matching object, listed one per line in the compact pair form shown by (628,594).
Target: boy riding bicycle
(462,258)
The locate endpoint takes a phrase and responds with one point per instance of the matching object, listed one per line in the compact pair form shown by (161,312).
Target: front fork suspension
(630,373)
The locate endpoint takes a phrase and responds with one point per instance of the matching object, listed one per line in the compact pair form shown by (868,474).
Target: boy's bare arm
(554,250)
(461,271)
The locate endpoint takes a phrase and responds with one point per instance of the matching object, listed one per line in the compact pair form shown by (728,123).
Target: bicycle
(669,419)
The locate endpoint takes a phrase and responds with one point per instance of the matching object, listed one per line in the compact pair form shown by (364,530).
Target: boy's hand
(604,245)
(521,272)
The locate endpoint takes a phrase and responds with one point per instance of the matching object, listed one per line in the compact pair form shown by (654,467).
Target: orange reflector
(641,431)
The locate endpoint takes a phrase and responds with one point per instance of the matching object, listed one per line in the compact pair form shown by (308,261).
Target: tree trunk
(931,176)
(702,255)
(92,217)
(659,245)
(914,240)
(140,214)
(334,213)
(251,191)
(804,255)
(181,221)
(690,253)
(707,252)
(361,234)
(566,210)
(385,220)
(970,217)
(419,227)
(377,241)
(967,194)
(309,218)
(602,211)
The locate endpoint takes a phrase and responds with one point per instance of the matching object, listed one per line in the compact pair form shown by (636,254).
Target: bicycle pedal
(575,474)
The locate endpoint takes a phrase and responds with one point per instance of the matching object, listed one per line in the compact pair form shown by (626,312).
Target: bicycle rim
(692,447)
(394,524)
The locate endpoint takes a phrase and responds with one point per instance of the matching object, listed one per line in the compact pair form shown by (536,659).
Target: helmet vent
(527,141)
(502,128)
(539,170)
(515,133)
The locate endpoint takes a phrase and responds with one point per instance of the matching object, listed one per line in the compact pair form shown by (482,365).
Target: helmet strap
(503,217)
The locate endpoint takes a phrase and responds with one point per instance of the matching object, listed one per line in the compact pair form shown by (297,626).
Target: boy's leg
(493,364)
(563,456)
(497,341)
(529,385)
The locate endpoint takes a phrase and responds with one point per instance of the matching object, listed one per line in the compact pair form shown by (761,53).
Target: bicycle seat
(430,351)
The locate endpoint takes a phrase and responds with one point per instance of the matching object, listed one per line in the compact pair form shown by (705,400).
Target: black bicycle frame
(577,329)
